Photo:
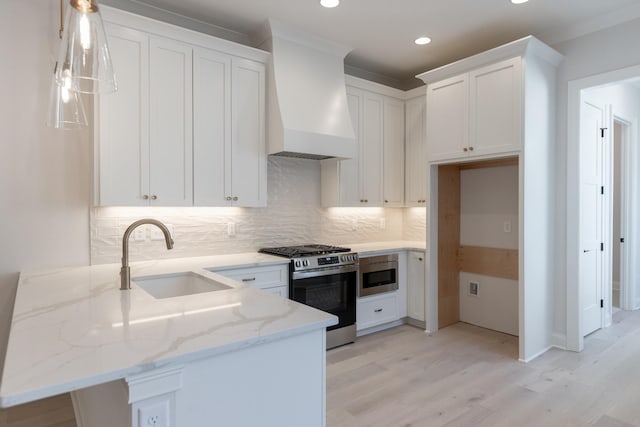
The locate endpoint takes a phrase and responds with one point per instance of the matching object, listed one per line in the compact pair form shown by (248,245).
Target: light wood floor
(469,376)
(461,376)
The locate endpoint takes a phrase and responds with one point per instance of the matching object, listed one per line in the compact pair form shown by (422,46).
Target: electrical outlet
(157,234)
(140,234)
(231,229)
(507,226)
(474,288)
(354,225)
(154,415)
(383,224)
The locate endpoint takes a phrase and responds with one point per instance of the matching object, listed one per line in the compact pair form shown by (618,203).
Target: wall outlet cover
(474,288)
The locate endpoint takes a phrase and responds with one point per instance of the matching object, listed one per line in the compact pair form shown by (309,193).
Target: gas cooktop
(303,250)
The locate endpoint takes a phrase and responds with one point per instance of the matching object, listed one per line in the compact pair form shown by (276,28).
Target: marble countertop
(73,328)
(376,248)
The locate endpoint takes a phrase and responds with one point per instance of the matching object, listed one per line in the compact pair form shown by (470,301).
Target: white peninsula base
(276,384)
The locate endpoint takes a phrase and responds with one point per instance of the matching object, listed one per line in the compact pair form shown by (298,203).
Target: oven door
(328,289)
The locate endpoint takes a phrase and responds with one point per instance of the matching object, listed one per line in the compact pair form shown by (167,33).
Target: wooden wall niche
(452,257)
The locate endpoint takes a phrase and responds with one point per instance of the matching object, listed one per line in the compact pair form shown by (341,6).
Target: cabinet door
(371,166)
(122,172)
(495,108)
(349,169)
(416,285)
(248,149)
(447,118)
(393,158)
(416,154)
(170,123)
(211,128)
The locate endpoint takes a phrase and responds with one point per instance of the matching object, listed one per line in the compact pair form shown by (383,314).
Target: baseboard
(559,341)
(538,354)
(379,328)
(417,323)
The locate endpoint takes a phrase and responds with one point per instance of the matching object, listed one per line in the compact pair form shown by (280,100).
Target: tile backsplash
(293,216)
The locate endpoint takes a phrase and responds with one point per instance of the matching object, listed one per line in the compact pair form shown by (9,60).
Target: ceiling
(381,32)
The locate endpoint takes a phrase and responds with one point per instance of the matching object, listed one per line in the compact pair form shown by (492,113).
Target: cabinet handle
(465,149)
(235,199)
(154,197)
(145,197)
(470,148)
(378,310)
(249,279)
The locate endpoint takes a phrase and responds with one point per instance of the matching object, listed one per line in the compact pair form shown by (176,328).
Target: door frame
(574,338)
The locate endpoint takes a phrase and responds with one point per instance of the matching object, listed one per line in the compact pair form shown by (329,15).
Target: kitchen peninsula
(130,359)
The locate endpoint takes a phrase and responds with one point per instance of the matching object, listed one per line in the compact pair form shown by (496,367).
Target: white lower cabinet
(377,310)
(273,279)
(415,285)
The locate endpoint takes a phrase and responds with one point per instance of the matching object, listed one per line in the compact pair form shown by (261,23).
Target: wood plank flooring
(469,376)
(461,376)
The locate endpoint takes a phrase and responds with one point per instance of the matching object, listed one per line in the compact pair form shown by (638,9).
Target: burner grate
(303,250)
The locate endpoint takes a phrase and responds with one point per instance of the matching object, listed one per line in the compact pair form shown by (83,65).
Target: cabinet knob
(470,148)
(465,149)
(386,201)
(228,198)
(145,197)
(366,201)
(154,197)
(420,259)
(235,199)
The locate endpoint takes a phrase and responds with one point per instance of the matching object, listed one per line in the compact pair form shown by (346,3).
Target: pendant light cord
(61,21)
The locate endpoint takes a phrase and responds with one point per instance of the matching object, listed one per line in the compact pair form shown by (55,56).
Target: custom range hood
(308,115)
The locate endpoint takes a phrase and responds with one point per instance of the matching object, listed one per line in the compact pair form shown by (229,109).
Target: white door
(591,239)
(448,118)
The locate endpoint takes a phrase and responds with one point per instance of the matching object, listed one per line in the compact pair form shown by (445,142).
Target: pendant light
(83,57)
(65,107)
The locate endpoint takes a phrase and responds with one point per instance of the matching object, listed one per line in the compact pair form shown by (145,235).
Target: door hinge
(602,189)
(601,303)
(602,132)
(622,240)
(602,246)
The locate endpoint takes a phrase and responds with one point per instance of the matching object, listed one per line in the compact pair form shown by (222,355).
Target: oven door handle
(324,272)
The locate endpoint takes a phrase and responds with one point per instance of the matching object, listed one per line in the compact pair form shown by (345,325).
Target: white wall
(44,173)
(488,199)
(600,52)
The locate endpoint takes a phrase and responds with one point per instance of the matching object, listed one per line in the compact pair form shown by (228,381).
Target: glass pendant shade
(65,107)
(84,56)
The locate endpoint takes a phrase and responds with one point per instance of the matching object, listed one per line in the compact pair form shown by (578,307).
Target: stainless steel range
(324,277)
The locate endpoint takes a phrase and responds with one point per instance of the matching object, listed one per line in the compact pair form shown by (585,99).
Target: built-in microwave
(378,274)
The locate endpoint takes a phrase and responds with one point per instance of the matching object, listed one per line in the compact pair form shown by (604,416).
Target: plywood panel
(489,261)
(448,243)
(55,411)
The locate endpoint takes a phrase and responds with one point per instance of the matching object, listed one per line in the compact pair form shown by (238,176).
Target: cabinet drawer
(259,277)
(281,291)
(377,310)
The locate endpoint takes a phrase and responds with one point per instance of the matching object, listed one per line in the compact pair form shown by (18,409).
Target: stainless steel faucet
(125,271)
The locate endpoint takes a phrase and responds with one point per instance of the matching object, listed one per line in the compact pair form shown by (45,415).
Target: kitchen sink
(178,284)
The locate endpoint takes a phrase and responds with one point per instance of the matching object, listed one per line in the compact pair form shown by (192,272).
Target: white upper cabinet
(415,152)
(170,123)
(187,124)
(495,108)
(393,153)
(475,114)
(229,137)
(375,176)
(122,154)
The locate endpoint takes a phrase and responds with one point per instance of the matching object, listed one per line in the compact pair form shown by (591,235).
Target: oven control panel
(320,261)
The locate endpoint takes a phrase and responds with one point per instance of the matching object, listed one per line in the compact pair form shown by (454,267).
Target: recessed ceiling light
(519,1)
(423,40)
(329,3)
